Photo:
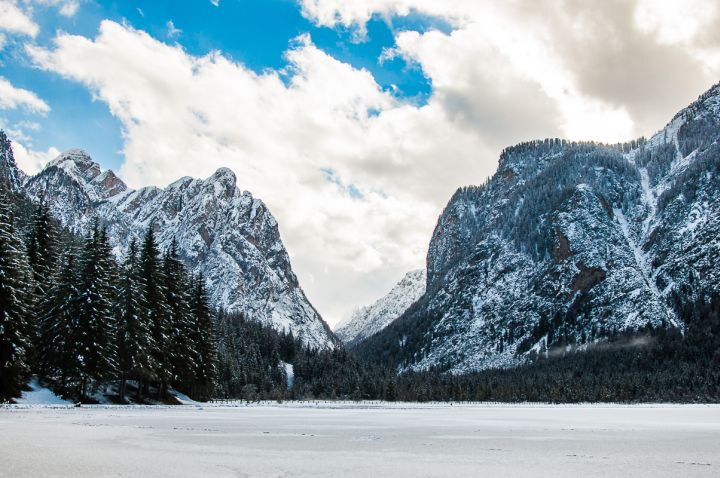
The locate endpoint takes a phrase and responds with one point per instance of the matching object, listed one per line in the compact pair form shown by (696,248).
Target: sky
(354,120)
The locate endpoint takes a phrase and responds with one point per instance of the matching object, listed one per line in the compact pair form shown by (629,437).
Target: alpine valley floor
(364,440)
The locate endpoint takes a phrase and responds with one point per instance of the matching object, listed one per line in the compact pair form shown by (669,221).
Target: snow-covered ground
(367,439)
(39,395)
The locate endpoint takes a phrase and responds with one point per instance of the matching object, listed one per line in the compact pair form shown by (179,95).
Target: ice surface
(336,439)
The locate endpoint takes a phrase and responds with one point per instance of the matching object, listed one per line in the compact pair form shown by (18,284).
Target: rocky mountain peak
(79,159)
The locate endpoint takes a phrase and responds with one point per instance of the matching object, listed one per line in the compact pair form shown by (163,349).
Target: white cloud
(14,20)
(215,2)
(69,9)
(12,97)
(66,8)
(31,161)
(172,30)
(684,23)
(675,22)
(492,46)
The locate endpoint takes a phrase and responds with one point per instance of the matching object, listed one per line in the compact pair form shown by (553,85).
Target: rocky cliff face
(565,244)
(227,235)
(10,175)
(371,319)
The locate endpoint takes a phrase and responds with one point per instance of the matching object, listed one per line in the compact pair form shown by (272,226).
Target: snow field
(365,439)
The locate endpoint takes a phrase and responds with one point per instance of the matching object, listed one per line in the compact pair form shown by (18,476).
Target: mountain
(371,319)
(567,244)
(10,175)
(227,235)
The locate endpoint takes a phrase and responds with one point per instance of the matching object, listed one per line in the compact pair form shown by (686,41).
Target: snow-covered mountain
(10,175)
(227,235)
(371,319)
(566,244)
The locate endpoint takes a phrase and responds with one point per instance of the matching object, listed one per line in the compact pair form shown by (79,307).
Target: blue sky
(256,33)
(354,120)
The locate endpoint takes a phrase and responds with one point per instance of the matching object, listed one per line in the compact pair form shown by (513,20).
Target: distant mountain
(565,245)
(223,233)
(371,319)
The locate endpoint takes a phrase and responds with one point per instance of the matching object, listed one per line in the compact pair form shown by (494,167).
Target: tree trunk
(138,394)
(123,380)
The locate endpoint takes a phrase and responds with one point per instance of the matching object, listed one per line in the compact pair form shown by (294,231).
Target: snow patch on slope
(39,395)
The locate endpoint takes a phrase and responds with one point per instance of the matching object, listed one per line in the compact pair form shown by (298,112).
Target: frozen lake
(365,441)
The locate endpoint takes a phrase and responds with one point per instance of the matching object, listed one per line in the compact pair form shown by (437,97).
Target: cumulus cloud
(603,65)
(31,161)
(66,8)
(355,175)
(15,20)
(12,97)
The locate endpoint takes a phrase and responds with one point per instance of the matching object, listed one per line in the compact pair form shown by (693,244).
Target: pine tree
(97,351)
(58,351)
(15,290)
(155,310)
(134,339)
(42,253)
(182,347)
(42,249)
(205,340)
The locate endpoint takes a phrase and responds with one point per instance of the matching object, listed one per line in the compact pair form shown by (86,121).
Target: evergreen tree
(205,342)
(97,350)
(15,290)
(182,346)
(134,338)
(155,310)
(58,351)
(42,250)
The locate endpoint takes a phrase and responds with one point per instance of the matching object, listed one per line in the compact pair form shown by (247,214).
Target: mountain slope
(566,244)
(227,235)
(9,173)
(371,319)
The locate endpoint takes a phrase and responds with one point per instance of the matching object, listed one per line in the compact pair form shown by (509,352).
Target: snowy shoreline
(361,405)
